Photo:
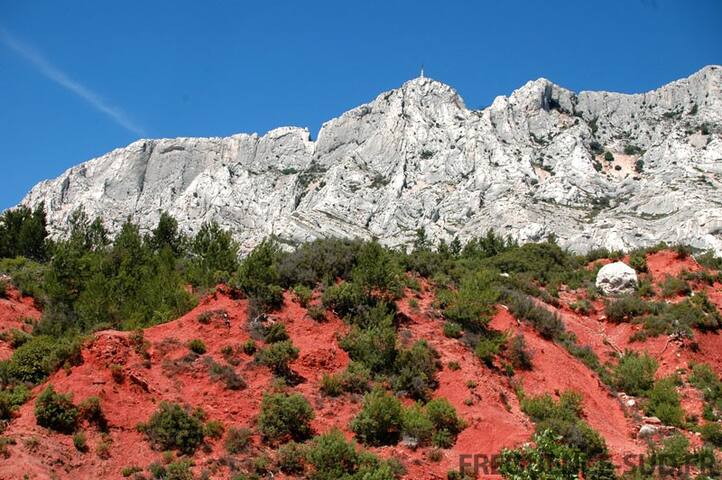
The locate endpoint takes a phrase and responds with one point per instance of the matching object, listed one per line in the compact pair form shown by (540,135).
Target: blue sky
(79,78)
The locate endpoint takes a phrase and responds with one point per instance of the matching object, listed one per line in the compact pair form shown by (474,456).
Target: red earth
(483,396)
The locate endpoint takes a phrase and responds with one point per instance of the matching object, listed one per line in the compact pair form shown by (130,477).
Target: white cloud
(59,77)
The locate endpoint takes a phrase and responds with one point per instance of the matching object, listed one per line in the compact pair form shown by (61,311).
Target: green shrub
(356,378)
(319,261)
(179,470)
(331,385)
(249,347)
(172,427)
(519,353)
(303,294)
(56,411)
(452,330)
(415,371)
(634,373)
(704,379)
(473,304)
(291,458)
(380,420)
(638,260)
(377,270)
(443,417)
(344,298)
(284,417)
(275,332)
(582,306)
(225,374)
(130,470)
(374,347)
(197,346)
(663,402)
(237,439)
(79,442)
(331,458)
(608,156)
(625,308)
(11,399)
(673,286)
(277,356)
(712,433)
(91,411)
(317,313)
(548,324)
(258,276)
(3,289)
(416,425)
(674,451)
(488,348)
(213,429)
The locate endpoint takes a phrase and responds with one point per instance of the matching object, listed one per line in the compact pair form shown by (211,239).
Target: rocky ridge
(531,164)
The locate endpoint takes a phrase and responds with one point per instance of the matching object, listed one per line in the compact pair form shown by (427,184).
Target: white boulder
(616,278)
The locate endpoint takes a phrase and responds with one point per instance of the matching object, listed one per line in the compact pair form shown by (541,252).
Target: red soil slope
(483,396)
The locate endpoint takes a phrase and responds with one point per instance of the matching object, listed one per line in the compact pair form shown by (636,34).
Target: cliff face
(529,165)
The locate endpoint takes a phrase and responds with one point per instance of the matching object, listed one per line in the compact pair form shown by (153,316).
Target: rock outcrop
(597,169)
(616,278)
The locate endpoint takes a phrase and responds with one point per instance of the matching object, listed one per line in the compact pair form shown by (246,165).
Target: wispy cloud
(61,78)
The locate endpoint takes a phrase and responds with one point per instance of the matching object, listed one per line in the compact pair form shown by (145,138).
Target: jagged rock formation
(531,164)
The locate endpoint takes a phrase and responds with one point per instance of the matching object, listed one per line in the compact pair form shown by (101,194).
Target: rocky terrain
(130,385)
(597,169)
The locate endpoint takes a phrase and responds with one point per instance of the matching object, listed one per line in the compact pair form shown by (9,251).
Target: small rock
(647,431)
(652,421)
(631,402)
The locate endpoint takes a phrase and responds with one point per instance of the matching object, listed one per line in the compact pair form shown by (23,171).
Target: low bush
(673,286)
(237,439)
(519,353)
(626,308)
(197,346)
(172,427)
(415,371)
(291,458)
(663,402)
(380,420)
(285,417)
(374,347)
(80,442)
(416,425)
(317,313)
(91,411)
(56,411)
(446,423)
(277,356)
(344,298)
(712,433)
(213,429)
(634,373)
(10,399)
(488,347)
(303,294)
(548,324)
(452,330)
(275,332)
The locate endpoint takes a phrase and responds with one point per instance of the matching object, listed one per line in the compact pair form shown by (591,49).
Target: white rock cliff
(529,165)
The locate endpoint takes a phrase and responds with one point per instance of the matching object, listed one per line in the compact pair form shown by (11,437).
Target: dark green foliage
(285,417)
(639,166)
(303,294)
(415,371)
(23,233)
(258,276)
(197,346)
(226,374)
(446,423)
(172,427)
(630,149)
(548,324)
(11,399)
(355,379)
(374,347)
(39,357)
(275,332)
(563,418)
(291,458)
(638,260)
(213,429)
(663,402)
(332,458)
(416,425)
(551,458)
(345,298)
(519,353)
(712,433)
(626,307)
(80,442)
(634,373)
(166,236)
(91,411)
(452,330)
(672,286)
(56,411)
(237,439)
(608,156)
(473,304)
(320,261)
(377,270)
(379,421)
(27,275)
(277,356)
(488,347)
(213,256)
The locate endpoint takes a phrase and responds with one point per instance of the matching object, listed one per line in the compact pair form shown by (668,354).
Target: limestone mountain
(596,169)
